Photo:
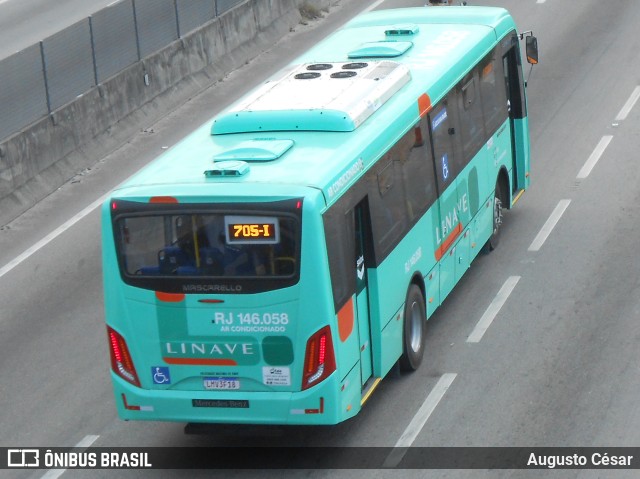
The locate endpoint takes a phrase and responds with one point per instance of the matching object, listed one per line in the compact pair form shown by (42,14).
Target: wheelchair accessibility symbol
(160,375)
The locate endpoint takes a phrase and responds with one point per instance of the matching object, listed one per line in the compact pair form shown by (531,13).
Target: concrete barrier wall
(42,157)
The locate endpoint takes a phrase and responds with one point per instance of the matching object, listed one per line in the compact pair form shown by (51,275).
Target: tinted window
(442,133)
(217,245)
(418,172)
(386,196)
(470,116)
(340,246)
(493,92)
(398,189)
(512,65)
(170,247)
(401,188)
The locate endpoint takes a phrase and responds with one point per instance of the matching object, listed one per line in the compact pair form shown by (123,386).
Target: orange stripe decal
(446,244)
(320,410)
(129,406)
(200,361)
(170,297)
(345,320)
(424,104)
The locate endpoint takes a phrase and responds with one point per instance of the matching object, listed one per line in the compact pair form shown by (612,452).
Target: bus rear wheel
(494,239)
(415,321)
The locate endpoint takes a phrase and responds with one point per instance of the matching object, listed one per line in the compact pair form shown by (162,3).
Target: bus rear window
(206,246)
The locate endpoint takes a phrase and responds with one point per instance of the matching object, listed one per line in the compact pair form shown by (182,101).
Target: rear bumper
(327,403)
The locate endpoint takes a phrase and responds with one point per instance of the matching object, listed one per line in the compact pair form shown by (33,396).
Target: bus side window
(492,93)
(417,171)
(470,116)
(443,131)
(340,238)
(387,200)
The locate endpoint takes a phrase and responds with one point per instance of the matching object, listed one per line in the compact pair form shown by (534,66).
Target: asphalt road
(559,300)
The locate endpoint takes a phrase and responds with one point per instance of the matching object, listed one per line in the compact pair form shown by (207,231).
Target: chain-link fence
(45,76)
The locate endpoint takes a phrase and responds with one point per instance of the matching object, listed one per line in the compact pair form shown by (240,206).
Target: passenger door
(517,111)
(362,243)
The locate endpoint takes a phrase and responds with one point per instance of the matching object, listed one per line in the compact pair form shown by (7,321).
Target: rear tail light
(319,359)
(121,362)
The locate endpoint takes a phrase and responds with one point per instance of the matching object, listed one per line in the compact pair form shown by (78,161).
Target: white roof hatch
(317,97)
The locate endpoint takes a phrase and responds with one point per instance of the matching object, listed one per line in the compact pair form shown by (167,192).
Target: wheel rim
(497,214)
(416,326)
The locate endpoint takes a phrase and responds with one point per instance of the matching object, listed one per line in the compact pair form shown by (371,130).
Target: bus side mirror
(531,47)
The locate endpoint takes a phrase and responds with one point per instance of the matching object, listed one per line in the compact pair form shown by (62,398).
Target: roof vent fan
(227,169)
(402,30)
(319,66)
(344,74)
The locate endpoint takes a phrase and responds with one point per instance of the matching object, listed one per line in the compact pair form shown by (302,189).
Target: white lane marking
(493,309)
(549,225)
(626,109)
(419,420)
(595,156)
(85,443)
(51,236)
(541,1)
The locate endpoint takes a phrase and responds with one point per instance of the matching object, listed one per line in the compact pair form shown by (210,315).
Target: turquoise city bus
(273,266)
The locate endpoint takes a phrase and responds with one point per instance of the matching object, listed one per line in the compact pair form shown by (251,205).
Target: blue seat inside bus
(173,260)
(232,261)
(211,260)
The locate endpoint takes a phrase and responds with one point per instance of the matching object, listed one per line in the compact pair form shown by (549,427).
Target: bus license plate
(221,383)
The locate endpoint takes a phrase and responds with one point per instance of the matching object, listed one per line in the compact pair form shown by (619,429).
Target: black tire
(494,239)
(414,330)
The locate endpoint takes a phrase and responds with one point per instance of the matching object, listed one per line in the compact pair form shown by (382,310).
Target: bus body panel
(178,344)
(405,197)
(328,404)
(521,133)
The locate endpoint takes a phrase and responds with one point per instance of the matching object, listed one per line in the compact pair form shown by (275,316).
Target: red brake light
(319,359)
(121,362)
